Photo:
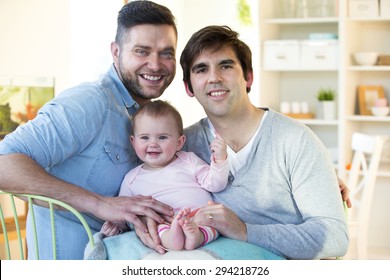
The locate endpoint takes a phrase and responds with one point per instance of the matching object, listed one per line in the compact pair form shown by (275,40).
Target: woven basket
(384,60)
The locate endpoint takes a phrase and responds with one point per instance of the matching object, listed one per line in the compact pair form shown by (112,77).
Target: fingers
(345,192)
(151,239)
(202,216)
(167,219)
(152,228)
(149,203)
(345,196)
(133,219)
(147,239)
(218,147)
(127,209)
(145,206)
(223,219)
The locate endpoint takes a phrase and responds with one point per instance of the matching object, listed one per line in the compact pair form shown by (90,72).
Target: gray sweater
(287,193)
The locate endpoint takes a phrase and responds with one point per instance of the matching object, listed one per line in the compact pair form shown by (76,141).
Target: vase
(328,110)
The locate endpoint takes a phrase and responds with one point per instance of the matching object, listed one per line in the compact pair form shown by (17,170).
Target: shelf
(371,19)
(319,122)
(301,20)
(377,68)
(368,118)
(301,70)
(297,84)
(383,173)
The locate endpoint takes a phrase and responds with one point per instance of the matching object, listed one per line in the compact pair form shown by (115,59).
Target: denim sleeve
(63,127)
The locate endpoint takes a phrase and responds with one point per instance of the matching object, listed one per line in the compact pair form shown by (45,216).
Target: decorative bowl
(366,58)
(380,111)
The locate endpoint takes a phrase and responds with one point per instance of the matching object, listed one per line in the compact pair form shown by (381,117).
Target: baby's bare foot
(174,238)
(194,237)
(110,229)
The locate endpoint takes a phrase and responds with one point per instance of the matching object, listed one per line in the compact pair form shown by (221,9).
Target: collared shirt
(81,137)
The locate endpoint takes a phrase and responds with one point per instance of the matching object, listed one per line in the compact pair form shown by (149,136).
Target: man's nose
(214,76)
(154,62)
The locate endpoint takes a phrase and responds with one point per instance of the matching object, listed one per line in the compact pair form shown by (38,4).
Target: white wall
(65,39)
(92,29)
(34,38)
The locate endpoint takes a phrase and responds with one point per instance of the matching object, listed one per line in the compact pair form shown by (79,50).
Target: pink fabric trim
(209,233)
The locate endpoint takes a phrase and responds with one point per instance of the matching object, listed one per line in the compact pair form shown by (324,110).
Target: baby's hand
(219,148)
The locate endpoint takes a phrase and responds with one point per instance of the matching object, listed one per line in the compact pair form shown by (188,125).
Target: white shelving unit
(354,35)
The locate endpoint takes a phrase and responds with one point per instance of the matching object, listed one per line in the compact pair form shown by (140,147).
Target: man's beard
(133,86)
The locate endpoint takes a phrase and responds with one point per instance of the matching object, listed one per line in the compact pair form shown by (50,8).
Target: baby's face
(156,140)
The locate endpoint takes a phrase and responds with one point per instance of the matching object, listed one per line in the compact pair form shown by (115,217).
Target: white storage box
(319,54)
(363,8)
(281,54)
(384,8)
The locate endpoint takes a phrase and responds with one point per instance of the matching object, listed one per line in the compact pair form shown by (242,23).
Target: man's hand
(345,193)
(127,209)
(151,239)
(224,220)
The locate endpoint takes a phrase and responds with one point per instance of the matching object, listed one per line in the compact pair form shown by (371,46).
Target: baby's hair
(156,109)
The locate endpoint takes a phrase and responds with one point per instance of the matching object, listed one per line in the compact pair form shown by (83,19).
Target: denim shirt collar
(122,91)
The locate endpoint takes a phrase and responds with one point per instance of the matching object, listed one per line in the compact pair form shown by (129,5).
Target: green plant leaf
(326,95)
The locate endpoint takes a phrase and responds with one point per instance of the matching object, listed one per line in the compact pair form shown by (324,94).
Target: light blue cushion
(127,246)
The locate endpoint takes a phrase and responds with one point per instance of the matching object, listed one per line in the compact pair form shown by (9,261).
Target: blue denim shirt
(82,137)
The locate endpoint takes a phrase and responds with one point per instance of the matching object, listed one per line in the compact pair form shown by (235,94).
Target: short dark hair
(159,108)
(142,12)
(214,37)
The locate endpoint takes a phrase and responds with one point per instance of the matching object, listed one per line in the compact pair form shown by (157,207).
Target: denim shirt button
(117,157)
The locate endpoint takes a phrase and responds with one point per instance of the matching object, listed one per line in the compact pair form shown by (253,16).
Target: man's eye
(141,52)
(226,66)
(167,55)
(200,70)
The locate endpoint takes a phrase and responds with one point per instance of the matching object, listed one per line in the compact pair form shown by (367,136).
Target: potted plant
(326,98)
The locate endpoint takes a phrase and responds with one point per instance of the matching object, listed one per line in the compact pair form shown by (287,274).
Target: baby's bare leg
(173,238)
(193,236)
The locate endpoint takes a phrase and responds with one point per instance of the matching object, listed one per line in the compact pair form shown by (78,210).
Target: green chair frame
(19,224)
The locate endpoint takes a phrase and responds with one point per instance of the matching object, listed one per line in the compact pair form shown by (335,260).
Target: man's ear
(115,53)
(180,142)
(249,80)
(189,92)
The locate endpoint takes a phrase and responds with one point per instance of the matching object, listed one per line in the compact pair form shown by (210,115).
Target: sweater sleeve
(320,230)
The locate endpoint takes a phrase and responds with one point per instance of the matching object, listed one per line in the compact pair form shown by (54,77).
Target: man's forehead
(151,34)
(209,55)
